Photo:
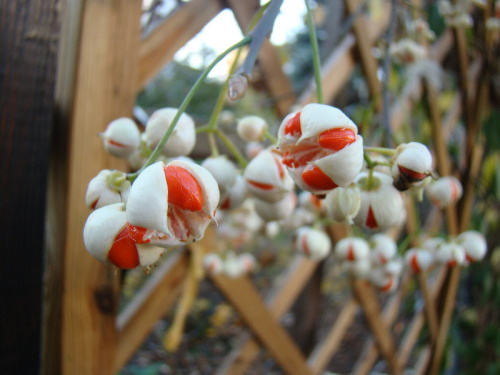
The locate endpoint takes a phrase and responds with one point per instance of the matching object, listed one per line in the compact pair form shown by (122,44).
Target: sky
(223,31)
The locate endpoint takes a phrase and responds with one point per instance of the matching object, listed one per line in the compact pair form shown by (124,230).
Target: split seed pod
(411,164)
(343,204)
(106,188)
(321,148)
(419,260)
(172,204)
(107,239)
(445,191)
(267,178)
(382,205)
(474,244)
(383,248)
(352,249)
(276,210)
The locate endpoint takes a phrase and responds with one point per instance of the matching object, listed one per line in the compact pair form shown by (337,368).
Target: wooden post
(29,32)
(104,89)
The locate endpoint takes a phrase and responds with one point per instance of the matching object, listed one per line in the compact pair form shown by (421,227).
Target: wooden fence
(103,63)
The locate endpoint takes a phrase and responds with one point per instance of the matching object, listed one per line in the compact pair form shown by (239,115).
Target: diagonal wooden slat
(245,298)
(153,301)
(279,301)
(368,301)
(322,353)
(159,47)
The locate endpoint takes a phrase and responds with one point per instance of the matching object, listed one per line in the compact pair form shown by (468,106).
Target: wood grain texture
(104,90)
(29,32)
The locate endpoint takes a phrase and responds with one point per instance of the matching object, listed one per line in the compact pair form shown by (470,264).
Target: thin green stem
(315,53)
(157,151)
(213,146)
(242,161)
(381,150)
(270,137)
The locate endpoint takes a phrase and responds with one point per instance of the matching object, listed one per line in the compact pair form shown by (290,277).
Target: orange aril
(123,252)
(371,222)
(137,233)
(292,126)
(336,139)
(317,179)
(260,185)
(184,191)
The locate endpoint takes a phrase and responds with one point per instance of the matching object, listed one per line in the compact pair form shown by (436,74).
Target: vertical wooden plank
(243,296)
(29,31)
(104,89)
(364,47)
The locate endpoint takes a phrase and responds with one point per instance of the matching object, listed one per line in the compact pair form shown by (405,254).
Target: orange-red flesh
(137,233)
(117,144)
(414,264)
(260,185)
(387,286)
(314,177)
(410,175)
(336,139)
(350,254)
(123,252)
(184,191)
(371,222)
(292,126)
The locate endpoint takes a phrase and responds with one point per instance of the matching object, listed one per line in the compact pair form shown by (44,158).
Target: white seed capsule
(223,170)
(411,164)
(352,249)
(267,178)
(182,140)
(272,211)
(233,268)
(343,204)
(108,187)
(251,128)
(383,248)
(313,243)
(419,260)
(121,137)
(450,253)
(213,264)
(474,244)
(445,191)
(382,206)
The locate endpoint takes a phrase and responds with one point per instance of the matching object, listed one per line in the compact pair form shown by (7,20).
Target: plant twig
(157,151)
(386,66)
(315,54)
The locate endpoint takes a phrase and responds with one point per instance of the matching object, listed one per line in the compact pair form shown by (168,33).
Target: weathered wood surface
(29,33)
(104,89)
